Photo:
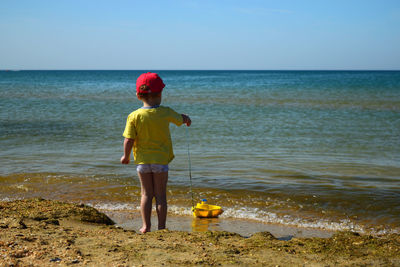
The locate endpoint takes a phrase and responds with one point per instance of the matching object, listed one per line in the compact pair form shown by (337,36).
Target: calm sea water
(306,148)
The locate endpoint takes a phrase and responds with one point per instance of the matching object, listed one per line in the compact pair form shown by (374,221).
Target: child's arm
(186,119)
(128,144)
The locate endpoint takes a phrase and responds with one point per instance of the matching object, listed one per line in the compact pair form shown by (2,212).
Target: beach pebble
(3,224)
(17,223)
(19,253)
(52,221)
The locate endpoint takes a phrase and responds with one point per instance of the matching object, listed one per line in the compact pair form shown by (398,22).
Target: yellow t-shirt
(149,127)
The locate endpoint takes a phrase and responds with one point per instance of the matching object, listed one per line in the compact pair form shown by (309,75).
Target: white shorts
(155,168)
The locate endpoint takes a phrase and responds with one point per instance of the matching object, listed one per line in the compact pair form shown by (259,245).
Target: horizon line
(155,69)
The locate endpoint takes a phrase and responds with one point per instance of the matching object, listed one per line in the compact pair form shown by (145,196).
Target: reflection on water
(205,224)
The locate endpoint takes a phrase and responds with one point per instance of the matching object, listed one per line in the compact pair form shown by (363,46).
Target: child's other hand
(186,119)
(124,160)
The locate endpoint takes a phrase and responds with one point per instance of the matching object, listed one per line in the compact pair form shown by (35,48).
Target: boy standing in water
(147,133)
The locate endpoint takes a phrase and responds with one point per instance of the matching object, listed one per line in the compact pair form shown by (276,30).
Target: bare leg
(146,181)
(160,192)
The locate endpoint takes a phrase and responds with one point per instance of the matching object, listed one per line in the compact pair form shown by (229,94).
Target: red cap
(152,80)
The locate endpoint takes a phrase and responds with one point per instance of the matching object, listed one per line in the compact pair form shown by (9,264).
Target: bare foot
(144,230)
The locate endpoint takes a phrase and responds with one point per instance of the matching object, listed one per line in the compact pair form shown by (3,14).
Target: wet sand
(41,232)
(132,221)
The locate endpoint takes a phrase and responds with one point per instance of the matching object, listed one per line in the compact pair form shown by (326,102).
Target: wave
(265,217)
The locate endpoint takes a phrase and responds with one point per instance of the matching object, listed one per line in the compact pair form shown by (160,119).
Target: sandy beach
(38,232)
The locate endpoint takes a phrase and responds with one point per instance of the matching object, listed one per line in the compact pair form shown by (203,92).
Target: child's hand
(128,143)
(125,160)
(186,120)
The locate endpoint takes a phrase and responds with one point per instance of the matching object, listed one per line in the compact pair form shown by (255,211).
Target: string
(190,165)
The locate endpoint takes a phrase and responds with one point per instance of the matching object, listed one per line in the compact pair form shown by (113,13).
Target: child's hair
(146,95)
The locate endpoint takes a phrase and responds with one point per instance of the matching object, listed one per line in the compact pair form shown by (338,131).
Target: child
(147,132)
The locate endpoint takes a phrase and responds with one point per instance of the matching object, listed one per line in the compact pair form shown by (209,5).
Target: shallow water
(316,149)
(246,228)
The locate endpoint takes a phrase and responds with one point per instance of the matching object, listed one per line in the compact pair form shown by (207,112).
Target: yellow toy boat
(204,210)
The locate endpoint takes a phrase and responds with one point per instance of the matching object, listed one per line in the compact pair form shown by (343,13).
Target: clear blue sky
(200,34)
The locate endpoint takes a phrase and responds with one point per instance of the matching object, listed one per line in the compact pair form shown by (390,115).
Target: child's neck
(151,102)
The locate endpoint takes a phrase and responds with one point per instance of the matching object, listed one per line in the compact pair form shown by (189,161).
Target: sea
(314,149)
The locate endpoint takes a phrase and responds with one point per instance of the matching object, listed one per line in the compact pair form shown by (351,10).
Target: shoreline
(122,194)
(42,232)
(131,220)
